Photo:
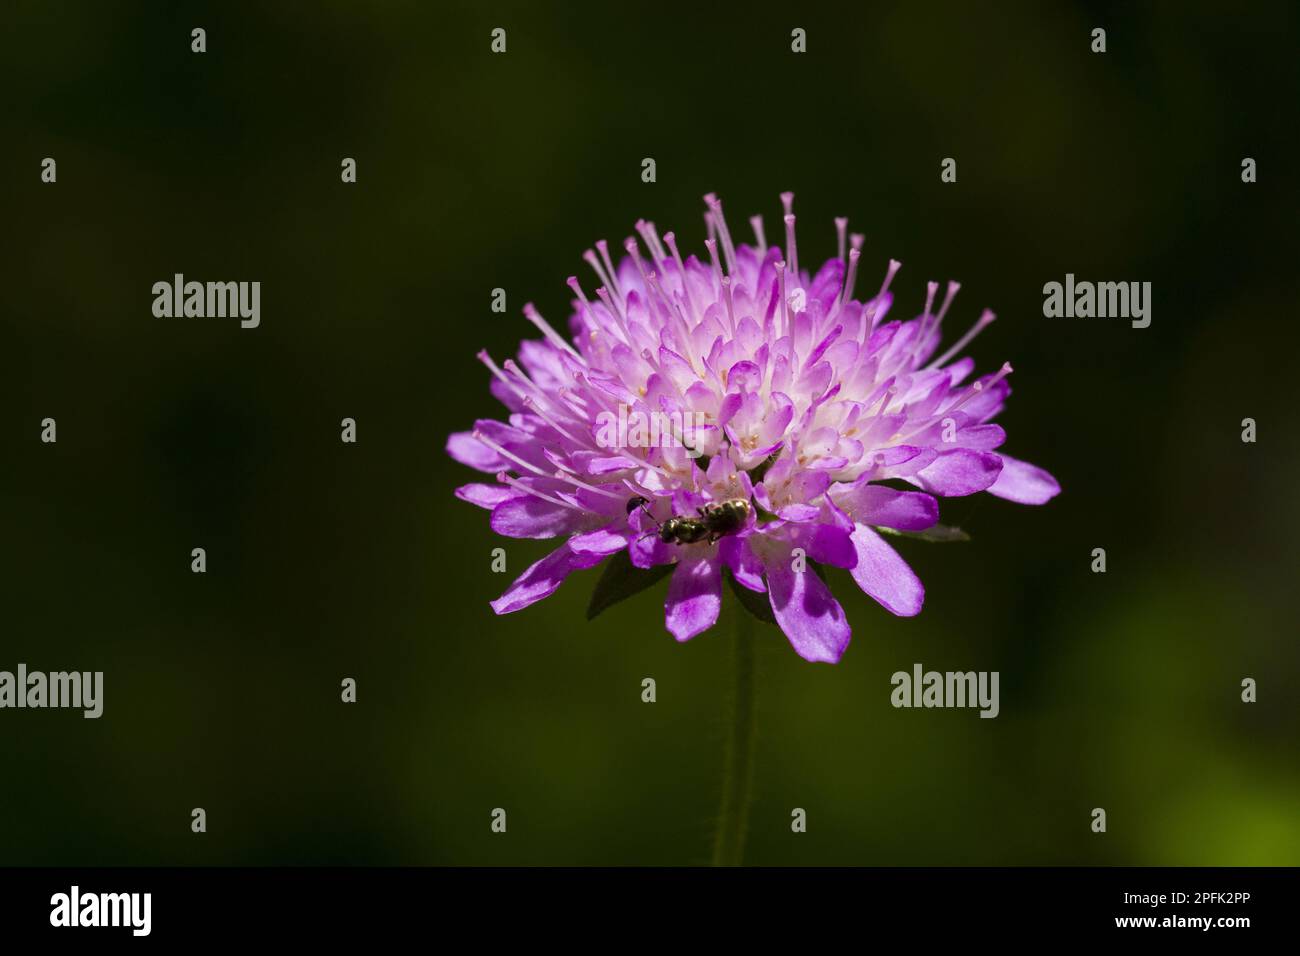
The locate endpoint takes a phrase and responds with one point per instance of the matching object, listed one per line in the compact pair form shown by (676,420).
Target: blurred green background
(476,171)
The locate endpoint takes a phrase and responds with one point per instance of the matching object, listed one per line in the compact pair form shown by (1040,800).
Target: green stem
(729,845)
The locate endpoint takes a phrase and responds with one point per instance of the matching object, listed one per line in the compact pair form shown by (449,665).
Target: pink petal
(981,437)
(603,542)
(647,551)
(485,496)
(881,506)
(885,576)
(832,545)
(745,565)
(605,466)
(1024,483)
(807,612)
(543,578)
(529,517)
(799,512)
(960,472)
(468,450)
(694,597)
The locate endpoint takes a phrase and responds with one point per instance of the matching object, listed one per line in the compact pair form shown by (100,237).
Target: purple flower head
(739,413)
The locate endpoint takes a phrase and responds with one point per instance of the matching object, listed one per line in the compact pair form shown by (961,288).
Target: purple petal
(832,545)
(505,396)
(485,496)
(807,612)
(886,576)
(648,551)
(732,402)
(602,543)
(809,485)
(981,437)
(605,466)
(799,512)
(694,597)
(826,284)
(529,517)
(468,450)
(987,403)
(881,506)
(1024,483)
(960,472)
(542,579)
(745,565)
(777,420)
(903,461)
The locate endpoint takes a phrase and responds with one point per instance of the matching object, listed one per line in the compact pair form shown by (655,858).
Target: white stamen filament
(785,303)
(535,317)
(728,250)
(516,483)
(505,453)
(612,283)
(681,271)
(985,318)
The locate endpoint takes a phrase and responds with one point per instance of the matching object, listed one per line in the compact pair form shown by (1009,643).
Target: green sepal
(939,534)
(620,580)
(753,602)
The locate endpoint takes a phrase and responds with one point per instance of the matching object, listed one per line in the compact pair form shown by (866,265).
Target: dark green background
(476,171)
